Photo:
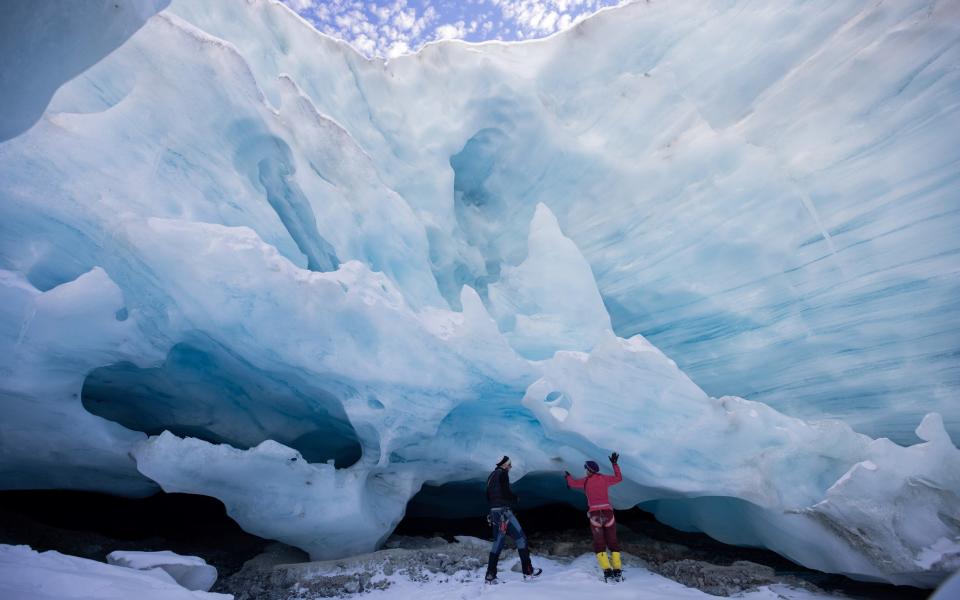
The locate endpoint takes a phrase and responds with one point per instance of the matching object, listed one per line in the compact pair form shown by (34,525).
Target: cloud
(398,48)
(535,18)
(393,27)
(405,19)
(300,5)
(364,44)
(451,31)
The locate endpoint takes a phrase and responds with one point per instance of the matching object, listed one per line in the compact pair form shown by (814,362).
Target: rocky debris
(278,584)
(675,561)
(424,559)
(418,559)
(718,580)
(276,553)
(408,542)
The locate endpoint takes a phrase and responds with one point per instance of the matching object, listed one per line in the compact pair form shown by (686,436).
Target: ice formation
(29,575)
(191,572)
(331,280)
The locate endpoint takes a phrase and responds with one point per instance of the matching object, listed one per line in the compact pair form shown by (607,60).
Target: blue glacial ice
(239,259)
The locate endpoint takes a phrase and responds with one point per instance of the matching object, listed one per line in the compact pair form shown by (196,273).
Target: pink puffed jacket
(595,486)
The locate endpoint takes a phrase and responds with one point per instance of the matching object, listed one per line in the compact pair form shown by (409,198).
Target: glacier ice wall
(242,232)
(776,214)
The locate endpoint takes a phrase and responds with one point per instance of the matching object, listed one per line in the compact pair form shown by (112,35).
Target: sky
(394,27)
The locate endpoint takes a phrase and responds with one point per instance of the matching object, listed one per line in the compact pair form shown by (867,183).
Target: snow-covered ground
(574,581)
(29,575)
(434,569)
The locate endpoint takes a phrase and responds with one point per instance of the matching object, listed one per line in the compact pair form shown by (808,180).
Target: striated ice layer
(239,259)
(776,213)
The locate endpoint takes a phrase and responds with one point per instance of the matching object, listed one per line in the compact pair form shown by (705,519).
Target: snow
(577,579)
(191,572)
(29,575)
(732,261)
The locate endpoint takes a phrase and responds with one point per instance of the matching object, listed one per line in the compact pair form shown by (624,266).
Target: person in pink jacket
(603,525)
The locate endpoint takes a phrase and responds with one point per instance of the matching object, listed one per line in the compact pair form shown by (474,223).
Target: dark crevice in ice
(204,391)
(91,525)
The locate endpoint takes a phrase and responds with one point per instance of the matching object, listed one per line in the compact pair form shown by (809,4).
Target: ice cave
(241,260)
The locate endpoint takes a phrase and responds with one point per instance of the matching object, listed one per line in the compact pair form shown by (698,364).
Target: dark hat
(592,466)
(503,461)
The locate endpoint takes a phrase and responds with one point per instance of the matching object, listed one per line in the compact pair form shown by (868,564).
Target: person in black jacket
(504,522)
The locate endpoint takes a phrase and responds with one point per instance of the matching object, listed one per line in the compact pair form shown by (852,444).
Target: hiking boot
(491,576)
(525,565)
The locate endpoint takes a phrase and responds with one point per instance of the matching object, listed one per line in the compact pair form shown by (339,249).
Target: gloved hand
(567,474)
(614,458)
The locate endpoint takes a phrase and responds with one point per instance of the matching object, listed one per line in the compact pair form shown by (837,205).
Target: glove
(614,458)
(567,474)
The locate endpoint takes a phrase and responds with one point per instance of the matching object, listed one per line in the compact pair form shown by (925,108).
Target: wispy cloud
(449,31)
(536,18)
(394,27)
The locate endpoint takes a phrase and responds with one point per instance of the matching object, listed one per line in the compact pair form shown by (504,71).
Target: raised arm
(576,484)
(617,475)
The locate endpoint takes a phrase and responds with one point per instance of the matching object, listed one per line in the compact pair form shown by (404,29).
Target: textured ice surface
(50,341)
(29,575)
(66,39)
(549,302)
(192,572)
(242,232)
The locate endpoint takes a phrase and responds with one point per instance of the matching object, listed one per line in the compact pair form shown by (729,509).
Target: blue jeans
(504,523)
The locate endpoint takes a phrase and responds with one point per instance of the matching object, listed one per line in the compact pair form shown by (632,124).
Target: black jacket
(498,489)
